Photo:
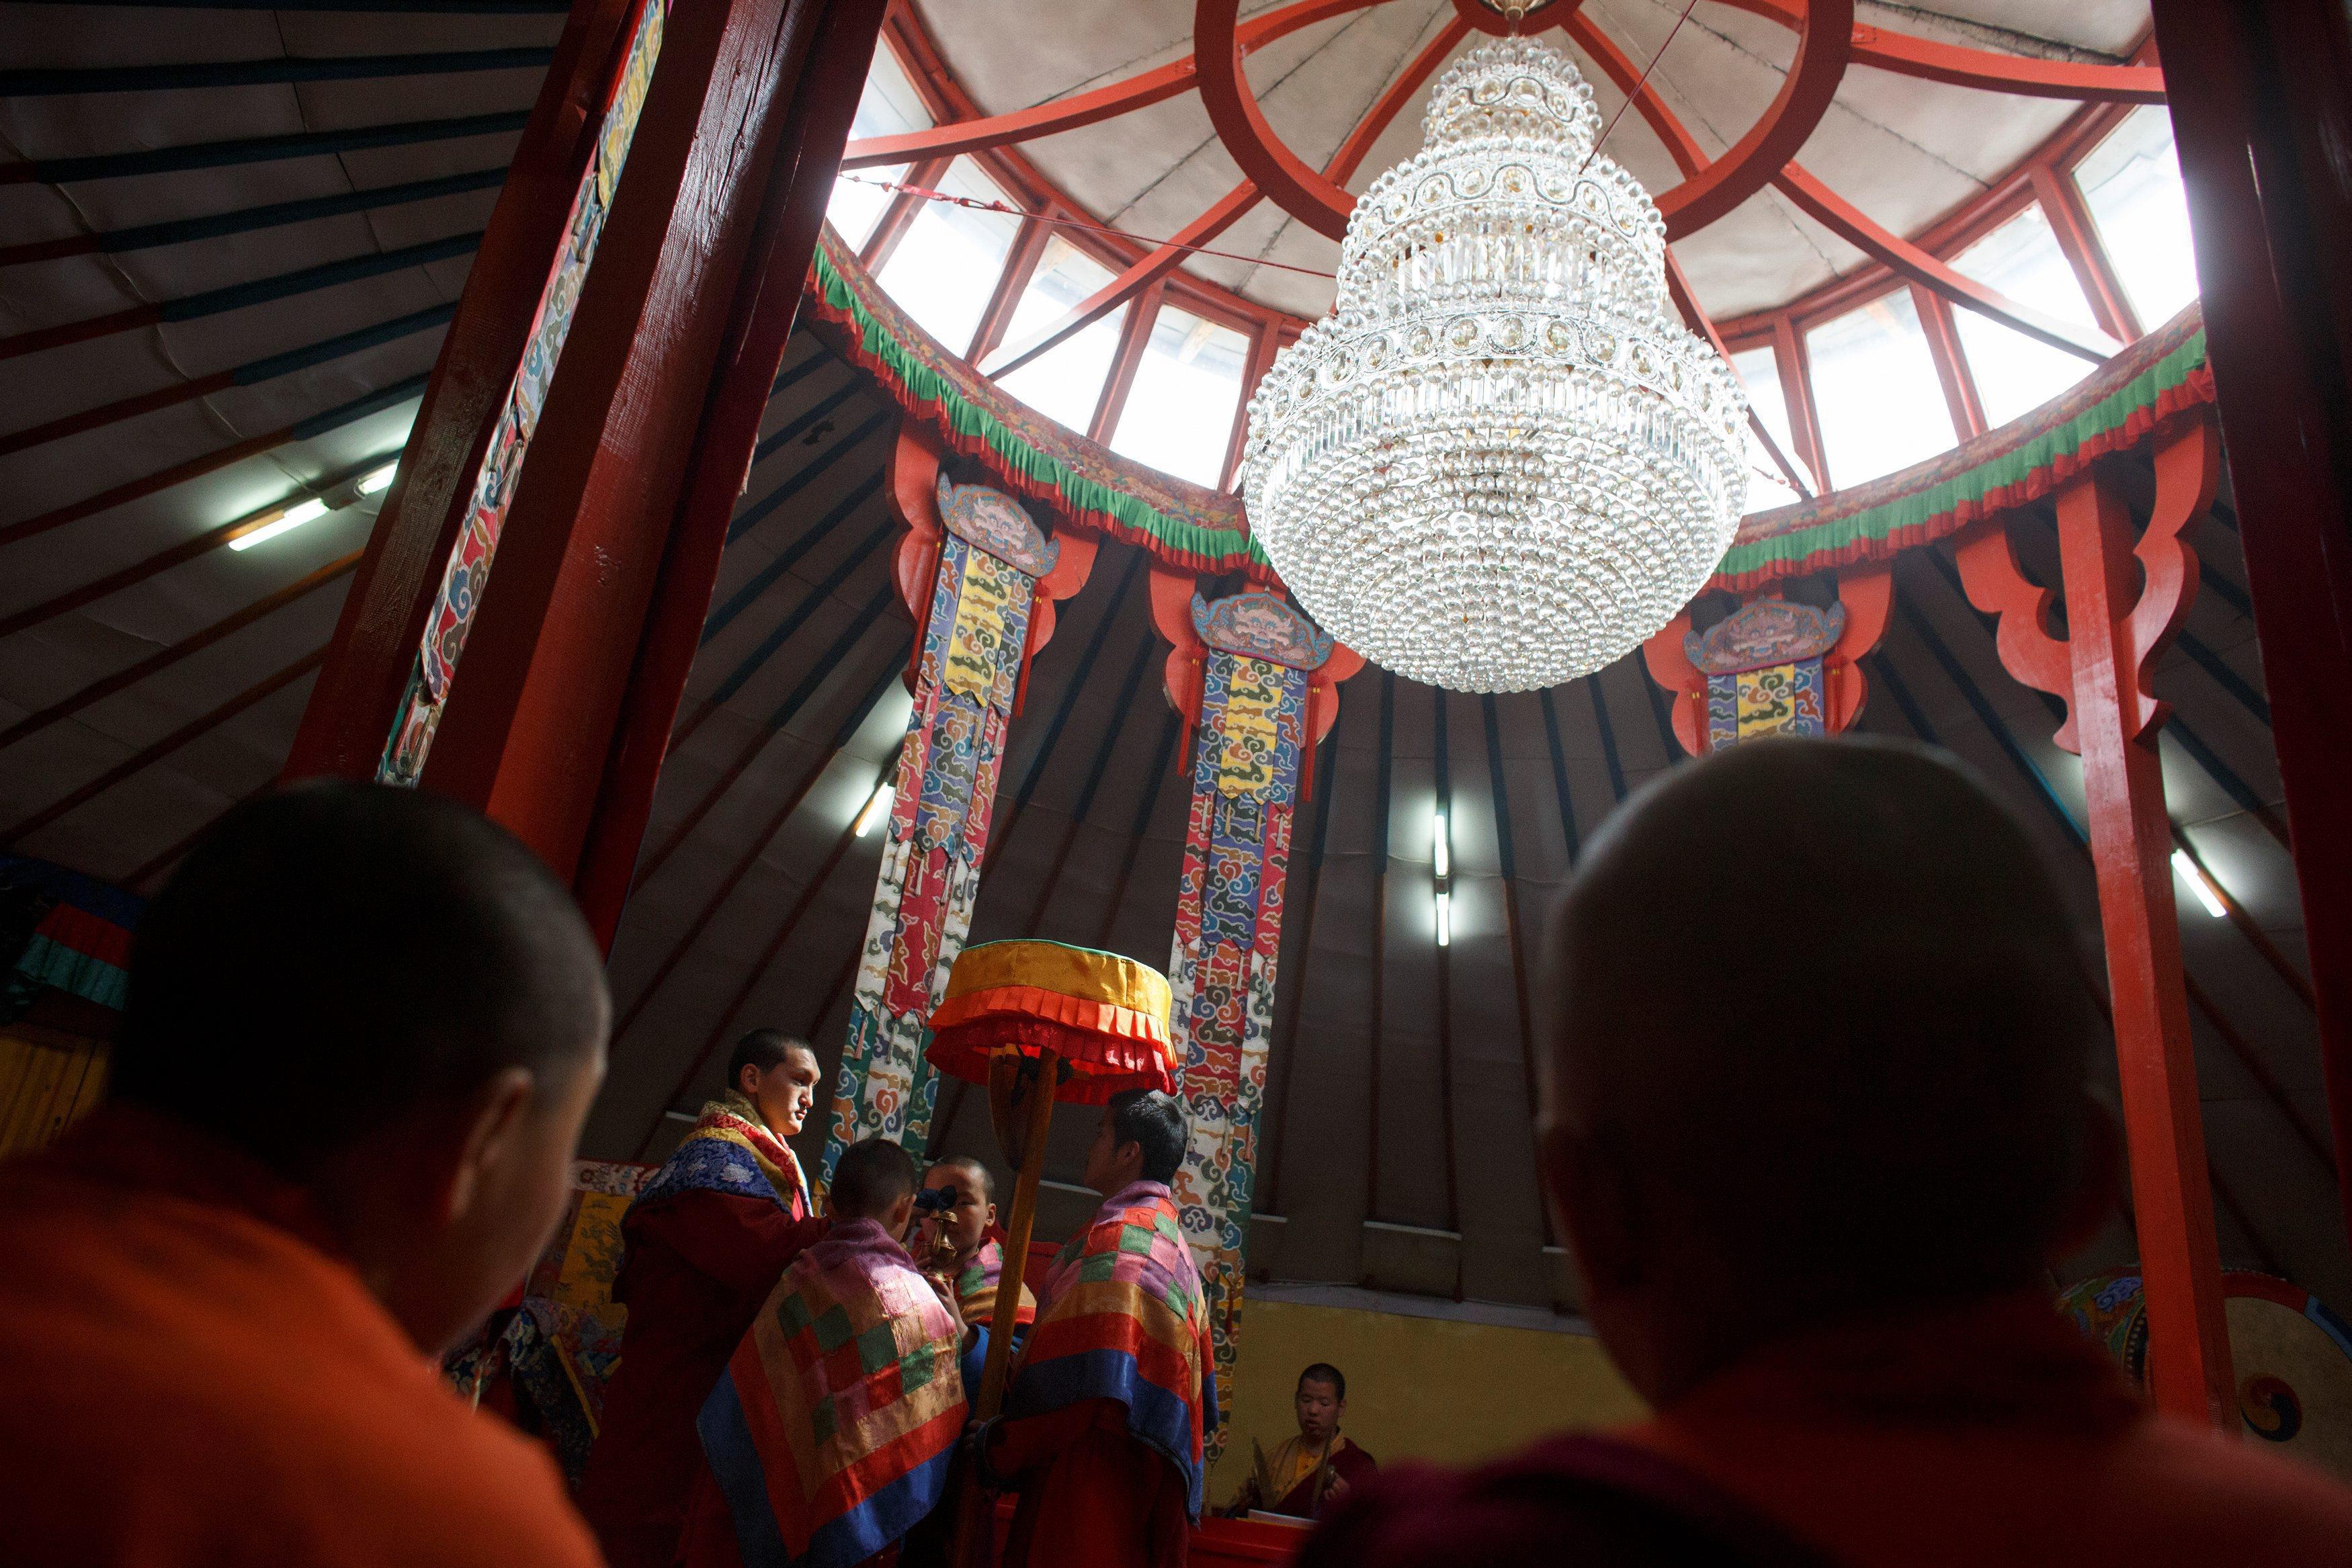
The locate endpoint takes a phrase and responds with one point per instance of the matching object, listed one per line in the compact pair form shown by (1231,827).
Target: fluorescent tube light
(1440,850)
(293,517)
(1445,920)
(877,806)
(2204,890)
(380,480)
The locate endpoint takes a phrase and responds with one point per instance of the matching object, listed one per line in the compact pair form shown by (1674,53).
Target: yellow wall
(1423,1388)
(48,1080)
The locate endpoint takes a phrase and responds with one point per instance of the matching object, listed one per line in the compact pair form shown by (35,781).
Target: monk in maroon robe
(1104,1424)
(365,1027)
(1816,1129)
(707,1239)
(1303,1475)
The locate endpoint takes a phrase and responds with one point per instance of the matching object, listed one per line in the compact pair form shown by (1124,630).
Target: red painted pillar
(640,418)
(2101,671)
(2116,724)
(816,127)
(2261,123)
(533,711)
(351,709)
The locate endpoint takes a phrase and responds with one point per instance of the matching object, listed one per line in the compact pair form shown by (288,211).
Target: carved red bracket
(1867,592)
(914,501)
(1672,668)
(2188,469)
(1997,585)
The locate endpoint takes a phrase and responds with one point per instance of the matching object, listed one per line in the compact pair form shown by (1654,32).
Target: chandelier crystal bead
(1500,464)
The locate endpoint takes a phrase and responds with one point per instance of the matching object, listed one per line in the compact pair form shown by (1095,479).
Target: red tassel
(1020,688)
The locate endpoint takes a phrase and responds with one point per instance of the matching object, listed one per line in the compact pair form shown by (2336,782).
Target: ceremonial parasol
(1019,1014)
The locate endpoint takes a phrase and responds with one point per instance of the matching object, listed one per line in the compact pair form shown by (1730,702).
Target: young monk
(363,1028)
(1310,1472)
(1104,1422)
(1815,1216)
(978,1260)
(707,1239)
(833,1428)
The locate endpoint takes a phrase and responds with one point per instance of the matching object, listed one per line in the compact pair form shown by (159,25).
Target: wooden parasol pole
(972,1536)
(1016,1238)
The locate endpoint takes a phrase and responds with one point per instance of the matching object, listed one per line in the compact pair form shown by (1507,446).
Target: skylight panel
(1875,390)
(1065,382)
(2015,374)
(1766,487)
(1759,372)
(889,107)
(1063,278)
(2131,181)
(946,267)
(1178,416)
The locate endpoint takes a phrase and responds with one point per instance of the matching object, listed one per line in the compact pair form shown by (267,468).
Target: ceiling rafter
(1230,208)
(1090,108)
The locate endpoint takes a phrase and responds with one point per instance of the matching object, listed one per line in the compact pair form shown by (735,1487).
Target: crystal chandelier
(1498,464)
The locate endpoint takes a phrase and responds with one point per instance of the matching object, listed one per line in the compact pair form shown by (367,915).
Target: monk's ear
(492,1129)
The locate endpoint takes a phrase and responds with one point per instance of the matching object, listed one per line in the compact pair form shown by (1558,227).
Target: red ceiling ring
(1824,44)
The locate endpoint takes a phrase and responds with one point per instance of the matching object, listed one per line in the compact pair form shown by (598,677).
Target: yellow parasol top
(1104,1014)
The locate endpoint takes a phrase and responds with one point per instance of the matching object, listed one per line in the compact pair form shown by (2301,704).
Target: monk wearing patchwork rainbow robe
(707,1239)
(1104,1424)
(832,1431)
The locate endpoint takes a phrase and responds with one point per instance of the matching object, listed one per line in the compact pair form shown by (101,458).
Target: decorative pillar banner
(462,580)
(976,637)
(1763,669)
(1772,666)
(1258,704)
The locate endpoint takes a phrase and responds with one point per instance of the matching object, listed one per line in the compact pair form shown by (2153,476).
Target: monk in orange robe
(363,1032)
(707,1239)
(1816,1129)
(1105,1421)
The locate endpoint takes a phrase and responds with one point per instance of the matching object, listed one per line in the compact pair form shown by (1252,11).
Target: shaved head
(975,1174)
(390,1001)
(332,955)
(1822,1039)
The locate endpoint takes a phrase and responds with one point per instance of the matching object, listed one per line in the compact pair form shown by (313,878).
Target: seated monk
(707,1239)
(1309,1472)
(1104,1421)
(832,1431)
(363,1028)
(1814,1193)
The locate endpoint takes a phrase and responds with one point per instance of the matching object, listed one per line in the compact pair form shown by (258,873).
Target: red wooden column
(808,156)
(2260,122)
(2115,630)
(556,721)
(351,709)
(2131,850)
(533,711)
